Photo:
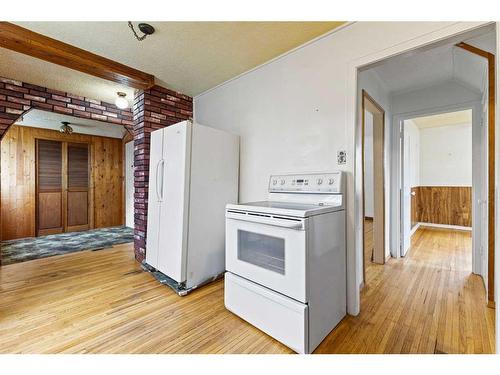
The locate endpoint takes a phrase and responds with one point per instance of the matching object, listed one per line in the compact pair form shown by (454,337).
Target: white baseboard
(414,229)
(444,226)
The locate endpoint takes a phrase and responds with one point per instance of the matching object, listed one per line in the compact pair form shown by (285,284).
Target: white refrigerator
(193,174)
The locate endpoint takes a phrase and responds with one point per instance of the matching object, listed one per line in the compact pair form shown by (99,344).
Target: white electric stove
(286,259)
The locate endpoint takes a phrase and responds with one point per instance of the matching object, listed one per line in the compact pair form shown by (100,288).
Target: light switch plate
(341,157)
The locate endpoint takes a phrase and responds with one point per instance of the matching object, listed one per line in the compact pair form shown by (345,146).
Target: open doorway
(61,186)
(437,178)
(373,145)
(439,160)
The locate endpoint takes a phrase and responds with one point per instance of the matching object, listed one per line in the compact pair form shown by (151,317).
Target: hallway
(102,302)
(427,302)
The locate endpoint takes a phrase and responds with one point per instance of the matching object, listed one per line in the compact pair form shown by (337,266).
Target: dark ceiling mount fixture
(65,128)
(145,28)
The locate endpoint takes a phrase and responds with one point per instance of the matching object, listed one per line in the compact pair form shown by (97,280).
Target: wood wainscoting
(18,187)
(450,205)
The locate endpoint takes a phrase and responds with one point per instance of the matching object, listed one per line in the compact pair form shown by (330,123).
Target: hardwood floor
(102,302)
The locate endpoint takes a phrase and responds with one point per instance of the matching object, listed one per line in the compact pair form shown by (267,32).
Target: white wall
(446,156)
(412,132)
(368,179)
(294,113)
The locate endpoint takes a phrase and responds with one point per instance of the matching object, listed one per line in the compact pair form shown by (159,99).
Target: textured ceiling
(444,119)
(32,70)
(190,57)
(50,120)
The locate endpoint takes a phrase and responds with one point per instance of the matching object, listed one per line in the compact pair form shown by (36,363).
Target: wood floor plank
(102,302)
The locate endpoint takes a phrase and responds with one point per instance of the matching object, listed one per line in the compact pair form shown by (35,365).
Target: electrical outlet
(341,157)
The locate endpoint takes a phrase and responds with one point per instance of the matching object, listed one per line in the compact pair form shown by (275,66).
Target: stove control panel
(307,183)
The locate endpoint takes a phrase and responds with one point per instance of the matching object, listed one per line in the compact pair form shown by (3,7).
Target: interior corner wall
(153,109)
(296,112)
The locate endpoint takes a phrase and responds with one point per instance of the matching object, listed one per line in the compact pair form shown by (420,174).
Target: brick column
(153,109)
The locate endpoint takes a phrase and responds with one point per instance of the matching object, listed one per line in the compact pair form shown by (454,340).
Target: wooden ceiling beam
(19,39)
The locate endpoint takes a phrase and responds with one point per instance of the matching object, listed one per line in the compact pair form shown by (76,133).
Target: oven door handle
(283,223)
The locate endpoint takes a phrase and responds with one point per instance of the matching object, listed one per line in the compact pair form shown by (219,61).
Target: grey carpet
(15,251)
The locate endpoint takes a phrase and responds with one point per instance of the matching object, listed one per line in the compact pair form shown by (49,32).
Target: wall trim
(444,226)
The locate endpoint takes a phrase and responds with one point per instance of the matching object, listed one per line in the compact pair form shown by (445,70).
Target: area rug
(21,250)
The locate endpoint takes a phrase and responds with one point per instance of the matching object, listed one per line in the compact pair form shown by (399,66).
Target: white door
(405,192)
(268,251)
(156,165)
(129,184)
(174,197)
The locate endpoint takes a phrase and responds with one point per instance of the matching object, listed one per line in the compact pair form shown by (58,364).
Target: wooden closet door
(49,187)
(77,196)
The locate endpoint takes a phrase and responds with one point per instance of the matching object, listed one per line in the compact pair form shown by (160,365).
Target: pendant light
(120,101)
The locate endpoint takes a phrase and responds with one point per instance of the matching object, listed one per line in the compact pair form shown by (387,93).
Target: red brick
(18,100)
(11,81)
(61,98)
(14,111)
(81,114)
(17,88)
(63,109)
(96,116)
(35,98)
(77,107)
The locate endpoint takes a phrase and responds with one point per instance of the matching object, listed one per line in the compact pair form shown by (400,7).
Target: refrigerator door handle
(162,177)
(159,189)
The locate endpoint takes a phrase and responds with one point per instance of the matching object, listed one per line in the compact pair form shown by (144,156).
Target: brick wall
(153,109)
(18,97)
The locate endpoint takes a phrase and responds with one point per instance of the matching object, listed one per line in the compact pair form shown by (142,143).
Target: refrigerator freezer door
(173,194)
(154,206)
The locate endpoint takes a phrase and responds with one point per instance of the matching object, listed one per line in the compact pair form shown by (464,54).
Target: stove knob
(319,181)
(331,181)
(275,182)
(282,182)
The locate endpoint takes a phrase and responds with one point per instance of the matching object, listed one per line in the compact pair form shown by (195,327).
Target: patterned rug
(15,251)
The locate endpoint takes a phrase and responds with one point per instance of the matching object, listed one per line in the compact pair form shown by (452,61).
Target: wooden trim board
(491,165)
(370,105)
(19,39)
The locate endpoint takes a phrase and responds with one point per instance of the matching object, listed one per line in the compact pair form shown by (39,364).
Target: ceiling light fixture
(145,28)
(65,128)
(121,102)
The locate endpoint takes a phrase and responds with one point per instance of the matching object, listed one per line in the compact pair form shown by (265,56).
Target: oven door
(268,250)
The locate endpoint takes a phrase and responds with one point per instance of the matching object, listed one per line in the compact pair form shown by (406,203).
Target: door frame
(369,104)
(64,141)
(125,142)
(397,176)
(491,165)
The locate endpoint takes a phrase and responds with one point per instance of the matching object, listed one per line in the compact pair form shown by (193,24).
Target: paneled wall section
(451,205)
(18,179)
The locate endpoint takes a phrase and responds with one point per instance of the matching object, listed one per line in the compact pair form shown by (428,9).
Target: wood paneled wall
(18,179)
(451,205)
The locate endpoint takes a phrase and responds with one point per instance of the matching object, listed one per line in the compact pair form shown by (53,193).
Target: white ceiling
(444,119)
(190,57)
(48,120)
(424,68)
